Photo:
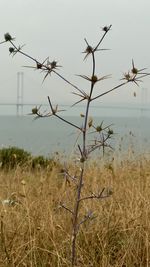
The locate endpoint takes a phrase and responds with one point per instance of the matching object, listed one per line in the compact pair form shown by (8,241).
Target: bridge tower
(20,87)
(144,96)
(144,100)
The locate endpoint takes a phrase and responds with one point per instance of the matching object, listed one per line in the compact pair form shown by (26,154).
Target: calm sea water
(49,135)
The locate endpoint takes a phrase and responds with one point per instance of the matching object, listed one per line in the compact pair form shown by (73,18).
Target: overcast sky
(57,28)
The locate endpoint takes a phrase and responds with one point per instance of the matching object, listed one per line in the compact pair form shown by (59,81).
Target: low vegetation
(35,228)
(12,157)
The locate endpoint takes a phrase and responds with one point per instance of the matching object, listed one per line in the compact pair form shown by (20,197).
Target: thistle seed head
(35,110)
(134,70)
(90,122)
(94,79)
(89,49)
(110,131)
(99,128)
(53,64)
(11,50)
(7,37)
(105,29)
(82,159)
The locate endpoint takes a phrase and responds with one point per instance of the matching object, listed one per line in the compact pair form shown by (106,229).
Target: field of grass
(35,231)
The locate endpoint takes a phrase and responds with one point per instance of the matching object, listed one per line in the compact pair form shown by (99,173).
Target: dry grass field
(35,231)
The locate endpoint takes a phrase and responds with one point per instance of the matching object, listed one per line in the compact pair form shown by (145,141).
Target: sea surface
(49,135)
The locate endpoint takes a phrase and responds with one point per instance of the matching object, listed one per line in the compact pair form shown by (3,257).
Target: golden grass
(36,232)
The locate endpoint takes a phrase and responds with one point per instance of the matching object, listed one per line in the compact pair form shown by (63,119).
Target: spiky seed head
(127,76)
(82,115)
(90,122)
(89,49)
(94,79)
(11,49)
(35,110)
(7,37)
(99,128)
(109,191)
(105,28)
(53,64)
(110,132)
(82,159)
(134,70)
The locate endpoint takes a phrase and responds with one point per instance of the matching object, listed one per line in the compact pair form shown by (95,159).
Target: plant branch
(63,78)
(24,54)
(95,196)
(66,208)
(88,104)
(62,119)
(107,92)
(88,216)
(75,218)
(108,28)
(83,156)
(44,66)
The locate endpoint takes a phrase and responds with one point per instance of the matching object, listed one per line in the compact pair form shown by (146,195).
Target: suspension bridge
(20,104)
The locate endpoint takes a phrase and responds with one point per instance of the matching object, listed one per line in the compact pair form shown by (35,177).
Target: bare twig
(88,216)
(62,119)
(66,208)
(110,90)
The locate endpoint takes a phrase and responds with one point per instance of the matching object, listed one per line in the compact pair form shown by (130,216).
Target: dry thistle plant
(103,134)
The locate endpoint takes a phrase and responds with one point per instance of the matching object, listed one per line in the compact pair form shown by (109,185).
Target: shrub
(12,156)
(42,162)
(39,161)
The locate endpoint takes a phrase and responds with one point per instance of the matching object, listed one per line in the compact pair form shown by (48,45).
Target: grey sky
(57,28)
